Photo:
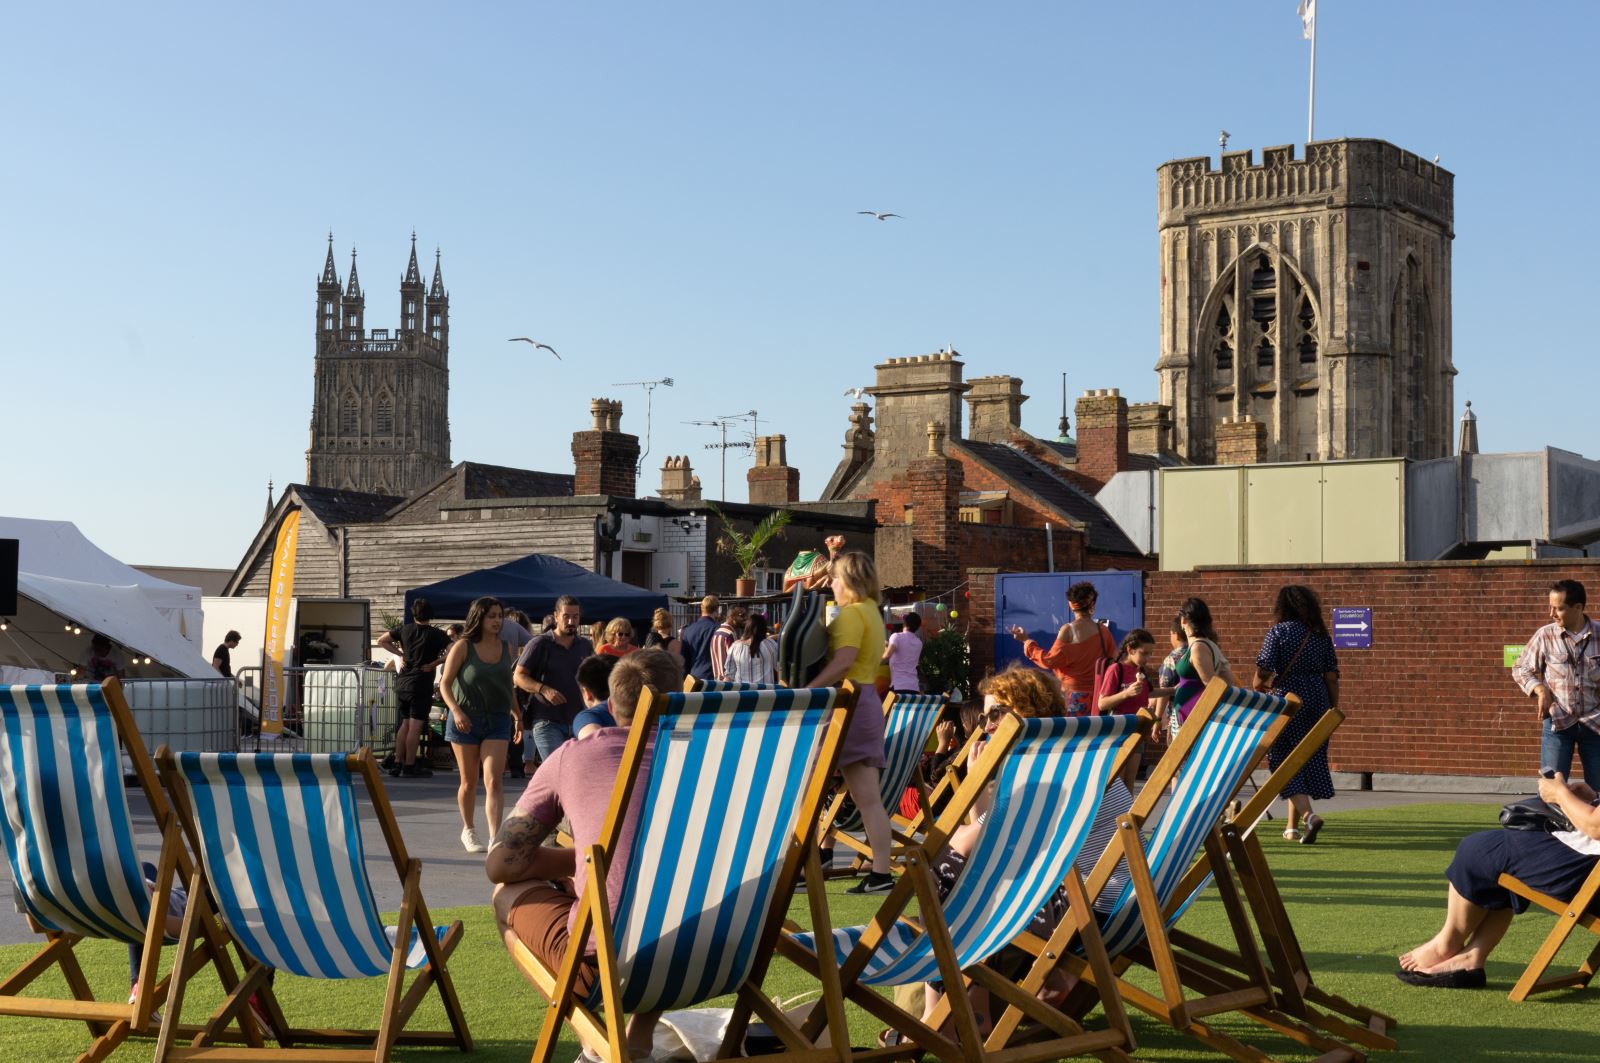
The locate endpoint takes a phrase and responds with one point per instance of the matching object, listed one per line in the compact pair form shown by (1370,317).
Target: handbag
(1266,682)
(1534,813)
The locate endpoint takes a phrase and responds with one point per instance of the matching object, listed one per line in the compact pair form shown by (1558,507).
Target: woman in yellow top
(855,645)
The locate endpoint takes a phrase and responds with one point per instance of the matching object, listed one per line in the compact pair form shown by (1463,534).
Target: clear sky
(670,190)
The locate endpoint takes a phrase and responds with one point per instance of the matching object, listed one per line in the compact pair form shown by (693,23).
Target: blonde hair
(659,670)
(617,628)
(859,576)
(1026,691)
(661,620)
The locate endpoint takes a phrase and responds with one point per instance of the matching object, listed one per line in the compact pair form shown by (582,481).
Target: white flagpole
(1311,106)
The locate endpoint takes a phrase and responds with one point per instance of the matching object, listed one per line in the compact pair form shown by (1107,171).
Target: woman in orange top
(1078,646)
(618,639)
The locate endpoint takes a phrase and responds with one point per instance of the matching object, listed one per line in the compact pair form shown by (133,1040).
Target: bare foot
(1426,956)
(1466,960)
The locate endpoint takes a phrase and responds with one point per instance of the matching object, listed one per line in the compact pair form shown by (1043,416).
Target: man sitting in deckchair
(536,887)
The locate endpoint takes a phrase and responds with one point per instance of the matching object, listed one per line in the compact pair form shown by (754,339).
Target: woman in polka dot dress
(1298,654)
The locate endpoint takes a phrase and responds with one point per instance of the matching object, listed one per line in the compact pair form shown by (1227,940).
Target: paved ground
(432,829)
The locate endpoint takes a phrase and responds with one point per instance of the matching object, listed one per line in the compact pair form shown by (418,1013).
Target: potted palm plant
(746,550)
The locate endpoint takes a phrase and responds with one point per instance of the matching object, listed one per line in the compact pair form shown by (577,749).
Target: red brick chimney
(1102,434)
(605,458)
(773,481)
(935,483)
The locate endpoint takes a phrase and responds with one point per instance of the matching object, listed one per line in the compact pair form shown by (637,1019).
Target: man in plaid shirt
(1560,669)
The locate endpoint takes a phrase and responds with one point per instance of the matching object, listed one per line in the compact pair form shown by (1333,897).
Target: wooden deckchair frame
(1068,1038)
(607,1034)
(378,1044)
(112,1022)
(1570,915)
(1205,964)
(1181,1005)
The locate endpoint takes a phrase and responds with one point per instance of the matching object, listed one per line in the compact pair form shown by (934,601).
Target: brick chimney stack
(1102,434)
(605,458)
(1150,428)
(994,408)
(678,481)
(1241,441)
(773,481)
(935,481)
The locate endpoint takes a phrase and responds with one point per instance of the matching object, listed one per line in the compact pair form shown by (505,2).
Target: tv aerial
(649,396)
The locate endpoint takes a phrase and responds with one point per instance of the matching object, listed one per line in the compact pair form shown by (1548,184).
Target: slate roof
(333,507)
(1040,480)
(1140,462)
(498,481)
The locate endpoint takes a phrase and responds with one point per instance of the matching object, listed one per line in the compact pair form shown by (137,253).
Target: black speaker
(8,577)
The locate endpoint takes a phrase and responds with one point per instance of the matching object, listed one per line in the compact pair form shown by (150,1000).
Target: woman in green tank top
(476,686)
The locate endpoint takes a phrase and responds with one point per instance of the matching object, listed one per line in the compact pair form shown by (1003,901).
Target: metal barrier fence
(327,709)
(200,715)
(774,607)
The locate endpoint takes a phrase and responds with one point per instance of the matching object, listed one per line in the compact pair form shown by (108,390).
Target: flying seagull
(535,343)
(855,393)
(877,214)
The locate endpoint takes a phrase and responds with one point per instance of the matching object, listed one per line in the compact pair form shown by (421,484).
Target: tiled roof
(1040,480)
(1141,462)
(498,481)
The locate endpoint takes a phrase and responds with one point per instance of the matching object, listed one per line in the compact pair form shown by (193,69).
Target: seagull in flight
(878,214)
(855,393)
(535,343)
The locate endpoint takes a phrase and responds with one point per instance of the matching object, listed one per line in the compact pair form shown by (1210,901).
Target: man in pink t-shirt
(903,650)
(537,887)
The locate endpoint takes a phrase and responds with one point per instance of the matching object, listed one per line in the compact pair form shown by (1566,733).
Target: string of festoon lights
(956,595)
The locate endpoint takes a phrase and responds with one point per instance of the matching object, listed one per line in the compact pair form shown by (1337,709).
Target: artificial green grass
(1370,888)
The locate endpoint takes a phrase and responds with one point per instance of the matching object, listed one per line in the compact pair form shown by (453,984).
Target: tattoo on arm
(518,843)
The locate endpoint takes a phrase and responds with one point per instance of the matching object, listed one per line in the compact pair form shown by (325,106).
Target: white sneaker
(470,842)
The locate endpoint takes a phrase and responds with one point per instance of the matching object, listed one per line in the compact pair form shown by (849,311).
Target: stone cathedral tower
(380,412)
(1310,296)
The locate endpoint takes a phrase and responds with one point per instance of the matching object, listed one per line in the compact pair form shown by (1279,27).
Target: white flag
(1308,18)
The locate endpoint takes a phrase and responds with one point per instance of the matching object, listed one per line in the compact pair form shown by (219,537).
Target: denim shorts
(494,729)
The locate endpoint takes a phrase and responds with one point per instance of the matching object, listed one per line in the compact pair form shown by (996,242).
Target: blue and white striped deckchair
(908,720)
(279,838)
(1050,775)
(69,841)
(692,685)
(1222,742)
(726,811)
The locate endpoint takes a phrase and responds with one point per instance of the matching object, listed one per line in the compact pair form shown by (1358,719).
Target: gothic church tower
(1312,296)
(380,411)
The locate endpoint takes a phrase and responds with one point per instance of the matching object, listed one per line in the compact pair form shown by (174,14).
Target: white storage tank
(198,715)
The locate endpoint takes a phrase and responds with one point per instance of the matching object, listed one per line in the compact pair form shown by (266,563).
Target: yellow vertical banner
(279,597)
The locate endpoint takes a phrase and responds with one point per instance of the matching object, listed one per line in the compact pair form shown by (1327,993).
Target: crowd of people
(565,698)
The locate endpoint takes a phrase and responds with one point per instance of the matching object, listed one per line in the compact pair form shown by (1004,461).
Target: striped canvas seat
(280,840)
(909,720)
(721,806)
(1048,792)
(1229,747)
(68,833)
(694,686)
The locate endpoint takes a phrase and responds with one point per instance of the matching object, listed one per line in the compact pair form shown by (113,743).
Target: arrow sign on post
(1352,628)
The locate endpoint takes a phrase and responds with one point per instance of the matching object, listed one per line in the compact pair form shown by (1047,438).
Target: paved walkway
(426,811)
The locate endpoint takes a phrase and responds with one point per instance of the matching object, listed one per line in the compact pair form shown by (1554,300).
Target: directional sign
(1509,655)
(1352,628)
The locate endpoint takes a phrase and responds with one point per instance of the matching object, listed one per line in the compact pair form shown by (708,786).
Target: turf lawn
(1369,889)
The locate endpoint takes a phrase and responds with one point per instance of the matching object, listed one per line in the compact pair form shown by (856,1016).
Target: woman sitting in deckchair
(1027,692)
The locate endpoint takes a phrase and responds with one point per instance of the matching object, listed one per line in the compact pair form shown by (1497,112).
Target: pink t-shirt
(577,782)
(905,649)
(1116,677)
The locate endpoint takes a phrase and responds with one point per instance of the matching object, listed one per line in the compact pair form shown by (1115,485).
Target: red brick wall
(1432,696)
(604,463)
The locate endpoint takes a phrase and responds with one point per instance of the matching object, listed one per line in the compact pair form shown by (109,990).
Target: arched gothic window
(383,422)
(350,415)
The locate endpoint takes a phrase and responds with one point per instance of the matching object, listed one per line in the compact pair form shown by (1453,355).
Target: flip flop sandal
(1313,828)
(1291,835)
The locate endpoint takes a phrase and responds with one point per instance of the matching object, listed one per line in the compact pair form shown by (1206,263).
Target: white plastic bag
(696,1033)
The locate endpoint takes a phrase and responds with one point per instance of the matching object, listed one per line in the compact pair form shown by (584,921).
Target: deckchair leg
(1566,923)
(387,1025)
(438,971)
(955,982)
(72,972)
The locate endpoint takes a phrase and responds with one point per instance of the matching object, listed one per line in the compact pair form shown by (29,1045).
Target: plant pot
(744,588)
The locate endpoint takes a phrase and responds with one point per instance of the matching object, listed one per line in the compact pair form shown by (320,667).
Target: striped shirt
(1569,664)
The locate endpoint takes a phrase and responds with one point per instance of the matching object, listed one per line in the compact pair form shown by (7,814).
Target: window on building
(350,415)
(1263,278)
(383,423)
(1224,358)
(1266,355)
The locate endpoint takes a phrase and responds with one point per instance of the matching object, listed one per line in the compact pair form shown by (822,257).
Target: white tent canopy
(64,577)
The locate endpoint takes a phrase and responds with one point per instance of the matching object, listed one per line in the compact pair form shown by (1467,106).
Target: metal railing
(200,715)
(330,708)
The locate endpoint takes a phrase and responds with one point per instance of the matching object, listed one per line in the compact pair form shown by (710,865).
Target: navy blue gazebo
(533,584)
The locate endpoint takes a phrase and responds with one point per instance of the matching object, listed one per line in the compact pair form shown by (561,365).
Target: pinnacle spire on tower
(436,291)
(330,274)
(354,289)
(413,274)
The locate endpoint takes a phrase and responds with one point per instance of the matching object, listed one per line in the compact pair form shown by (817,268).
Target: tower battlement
(1353,172)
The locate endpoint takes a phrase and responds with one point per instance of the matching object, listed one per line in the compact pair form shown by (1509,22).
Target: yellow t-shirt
(859,624)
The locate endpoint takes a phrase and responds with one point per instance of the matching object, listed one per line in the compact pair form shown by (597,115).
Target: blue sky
(669,190)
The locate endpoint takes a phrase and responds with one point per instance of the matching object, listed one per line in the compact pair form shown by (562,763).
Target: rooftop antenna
(755,421)
(649,395)
(722,424)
